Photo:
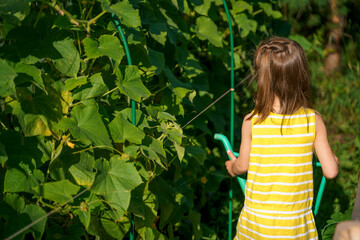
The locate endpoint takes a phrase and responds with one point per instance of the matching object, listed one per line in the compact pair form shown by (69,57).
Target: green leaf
(154,149)
(179,88)
(69,63)
(118,229)
(144,205)
(157,59)
(174,132)
(127,14)
(6,79)
(107,45)
(203,8)
(188,61)
(60,192)
(95,88)
(3,155)
(17,180)
(20,219)
(269,11)
(32,124)
(86,125)
(14,11)
(114,180)
(35,212)
(29,73)
(206,29)
(164,116)
(180,151)
(246,25)
(195,219)
(15,201)
(121,129)
(240,6)
(302,41)
(197,153)
(35,125)
(150,233)
(72,83)
(83,171)
(129,83)
(159,31)
(141,121)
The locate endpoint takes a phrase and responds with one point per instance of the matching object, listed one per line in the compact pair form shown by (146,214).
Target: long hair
(281,69)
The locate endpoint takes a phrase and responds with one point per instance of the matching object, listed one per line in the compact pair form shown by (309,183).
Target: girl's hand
(229,163)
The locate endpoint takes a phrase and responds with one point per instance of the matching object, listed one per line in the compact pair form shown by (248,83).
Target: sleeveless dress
(279,186)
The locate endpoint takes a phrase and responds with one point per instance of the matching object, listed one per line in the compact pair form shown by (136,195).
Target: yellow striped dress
(279,187)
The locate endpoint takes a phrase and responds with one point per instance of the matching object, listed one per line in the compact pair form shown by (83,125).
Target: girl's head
(281,70)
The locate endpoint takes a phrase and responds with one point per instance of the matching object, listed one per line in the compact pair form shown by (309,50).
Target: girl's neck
(276,105)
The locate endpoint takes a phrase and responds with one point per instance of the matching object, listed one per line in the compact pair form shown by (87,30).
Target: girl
(276,150)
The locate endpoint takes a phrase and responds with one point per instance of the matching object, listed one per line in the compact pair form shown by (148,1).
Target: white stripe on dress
(279,236)
(279,193)
(315,238)
(280,174)
(276,227)
(281,145)
(281,155)
(284,136)
(279,183)
(275,217)
(280,164)
(284,126)
(288,117)
(278,202)
(278,212)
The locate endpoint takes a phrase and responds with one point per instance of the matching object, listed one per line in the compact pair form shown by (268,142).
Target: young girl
(276,150)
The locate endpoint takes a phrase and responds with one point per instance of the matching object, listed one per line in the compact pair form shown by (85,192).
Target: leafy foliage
(66,94)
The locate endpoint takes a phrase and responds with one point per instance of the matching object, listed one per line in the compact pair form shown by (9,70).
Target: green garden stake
(133,106)
(232,112)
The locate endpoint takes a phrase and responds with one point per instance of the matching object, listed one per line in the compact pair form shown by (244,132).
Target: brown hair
(281,70)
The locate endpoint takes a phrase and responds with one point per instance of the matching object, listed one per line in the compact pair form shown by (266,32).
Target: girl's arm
(329,161)
(240,165)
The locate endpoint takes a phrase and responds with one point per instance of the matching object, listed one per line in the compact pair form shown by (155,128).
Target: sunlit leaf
(29,73)
(69,64)
(14,11)
(121,129)
(129,83)
(3,155)
(269,10)
(206,29)
(17,180)
(114,180)
(95,88)
(83,171)
(6,79)
(72,83)
(61,191)
(126,13)
(86,125)
(106,45)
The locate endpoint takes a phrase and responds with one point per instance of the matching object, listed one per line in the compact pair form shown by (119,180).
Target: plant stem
(80,8)
(3,125)
(61,11)
(46,204)
(93,20)
(89,12)
(109,91)
(39,14)
(78,40)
